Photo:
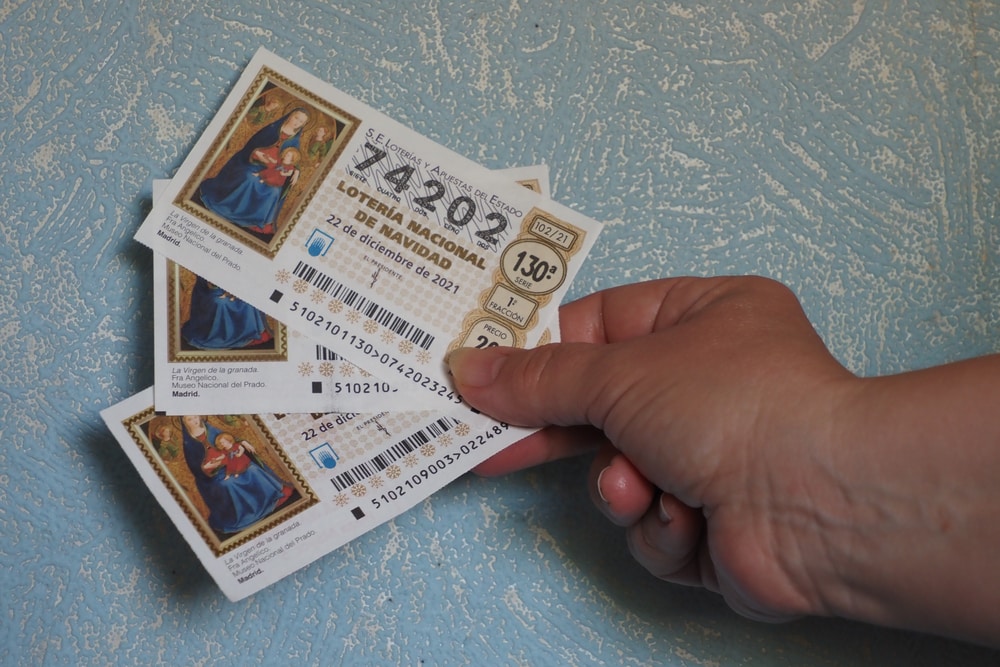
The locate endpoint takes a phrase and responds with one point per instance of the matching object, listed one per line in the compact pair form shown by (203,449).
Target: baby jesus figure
(279,173)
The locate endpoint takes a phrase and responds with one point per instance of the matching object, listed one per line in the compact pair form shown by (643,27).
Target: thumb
(563,383)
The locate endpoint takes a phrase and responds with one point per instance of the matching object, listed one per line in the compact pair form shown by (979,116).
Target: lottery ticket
(258,496)
(372,240)
(215,352)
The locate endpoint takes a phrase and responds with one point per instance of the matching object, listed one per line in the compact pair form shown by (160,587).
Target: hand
(211,464)
(714,399)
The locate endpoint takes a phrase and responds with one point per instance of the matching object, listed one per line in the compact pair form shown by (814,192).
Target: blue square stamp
(318,243)
(324,456)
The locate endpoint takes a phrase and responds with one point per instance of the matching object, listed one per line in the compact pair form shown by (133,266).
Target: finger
(563,384)
(575,382)
(668,541)
(618,489)
(549,444)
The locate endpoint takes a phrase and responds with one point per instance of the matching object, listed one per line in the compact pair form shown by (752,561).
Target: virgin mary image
(235,501)
(239,194)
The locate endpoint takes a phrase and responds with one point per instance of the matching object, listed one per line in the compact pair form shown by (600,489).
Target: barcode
(363,471)
(364,305)
(326,354)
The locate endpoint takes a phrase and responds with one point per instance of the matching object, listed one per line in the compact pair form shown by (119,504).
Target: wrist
(811,495)
(911,515)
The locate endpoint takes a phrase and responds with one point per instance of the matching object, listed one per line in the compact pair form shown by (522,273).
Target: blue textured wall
(849,149)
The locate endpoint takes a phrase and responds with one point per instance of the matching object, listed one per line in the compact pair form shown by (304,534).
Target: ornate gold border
(133,425)
(174,322)
(266,76)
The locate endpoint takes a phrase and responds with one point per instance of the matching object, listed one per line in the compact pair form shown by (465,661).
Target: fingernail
(664,514)
(476,368)
(599,491)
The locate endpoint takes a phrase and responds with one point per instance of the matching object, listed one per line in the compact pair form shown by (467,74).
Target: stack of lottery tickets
(315,264)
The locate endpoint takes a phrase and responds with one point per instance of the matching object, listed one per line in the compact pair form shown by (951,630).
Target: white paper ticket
(258,496)
(214,352)
(372,240)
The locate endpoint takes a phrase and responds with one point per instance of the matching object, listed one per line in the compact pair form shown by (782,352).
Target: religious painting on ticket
(225,471)
(265,165)
(207,324)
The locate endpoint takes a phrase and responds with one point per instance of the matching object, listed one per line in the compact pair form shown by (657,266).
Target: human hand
(715,399)
(262,157)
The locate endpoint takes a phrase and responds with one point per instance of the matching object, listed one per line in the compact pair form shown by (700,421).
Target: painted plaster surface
(850,149)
